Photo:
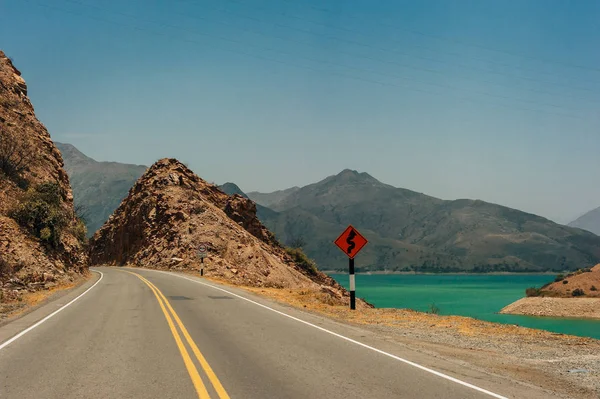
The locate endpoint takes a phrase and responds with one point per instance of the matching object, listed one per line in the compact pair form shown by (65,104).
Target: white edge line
(19,335)
(437,373)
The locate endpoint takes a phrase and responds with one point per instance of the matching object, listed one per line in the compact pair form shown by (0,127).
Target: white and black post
(202,266)
(352,284)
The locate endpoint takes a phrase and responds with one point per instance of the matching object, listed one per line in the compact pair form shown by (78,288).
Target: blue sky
(494,100)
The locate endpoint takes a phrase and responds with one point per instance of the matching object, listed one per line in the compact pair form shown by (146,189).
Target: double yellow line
(189,363)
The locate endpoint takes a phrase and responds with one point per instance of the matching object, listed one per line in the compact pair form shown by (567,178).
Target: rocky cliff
(170,211)
(40,235)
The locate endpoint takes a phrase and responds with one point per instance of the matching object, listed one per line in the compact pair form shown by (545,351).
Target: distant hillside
(590,221)
(583,282)
(232,188)
(412,231)
(98,187)
(271,200)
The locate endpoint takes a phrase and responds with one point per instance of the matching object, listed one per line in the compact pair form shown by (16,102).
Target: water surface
(480,296)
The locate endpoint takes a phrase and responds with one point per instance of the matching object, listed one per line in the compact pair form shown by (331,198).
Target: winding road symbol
(350,241)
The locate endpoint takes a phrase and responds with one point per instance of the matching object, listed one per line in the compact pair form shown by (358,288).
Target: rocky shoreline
(555,307)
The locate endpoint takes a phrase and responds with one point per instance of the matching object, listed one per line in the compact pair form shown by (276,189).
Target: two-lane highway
(149,334)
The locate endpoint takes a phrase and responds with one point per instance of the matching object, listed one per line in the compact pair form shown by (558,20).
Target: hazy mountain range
(590,221)
(406,230)
(412,231)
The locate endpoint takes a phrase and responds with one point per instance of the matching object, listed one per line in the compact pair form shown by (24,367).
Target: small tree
(578,292)
(40,211)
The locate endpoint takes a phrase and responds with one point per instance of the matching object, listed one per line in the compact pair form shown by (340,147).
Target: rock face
(170,211)
(29,159)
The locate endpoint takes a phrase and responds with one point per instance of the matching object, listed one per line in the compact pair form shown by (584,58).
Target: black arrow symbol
(350,241)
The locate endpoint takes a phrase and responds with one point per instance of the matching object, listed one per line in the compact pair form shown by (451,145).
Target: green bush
(565,281)
(578,292)
(79,230)
(532,291)
(300,258)
(593,288)
(40,212)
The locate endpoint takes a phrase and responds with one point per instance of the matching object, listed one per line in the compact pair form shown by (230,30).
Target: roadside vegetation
(15,159)
(433,309)
(297,254)
(41,212)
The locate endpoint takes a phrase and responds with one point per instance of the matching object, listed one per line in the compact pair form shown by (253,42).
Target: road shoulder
(30,315)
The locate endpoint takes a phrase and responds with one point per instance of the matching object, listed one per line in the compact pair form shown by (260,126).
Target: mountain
(41,239)
(412,231)
(271,200)
(170,210)
(98,187)
(590,221)
(231,189)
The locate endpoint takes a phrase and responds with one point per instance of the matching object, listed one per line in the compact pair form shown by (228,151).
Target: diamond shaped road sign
(351,242)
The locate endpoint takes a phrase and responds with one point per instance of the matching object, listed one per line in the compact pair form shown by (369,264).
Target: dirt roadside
(10,311)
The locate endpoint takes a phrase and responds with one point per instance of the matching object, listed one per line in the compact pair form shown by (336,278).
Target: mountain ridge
(589,221)
(413,231)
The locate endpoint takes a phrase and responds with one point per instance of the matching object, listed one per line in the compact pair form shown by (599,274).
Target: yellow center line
(207,369)
(189,364)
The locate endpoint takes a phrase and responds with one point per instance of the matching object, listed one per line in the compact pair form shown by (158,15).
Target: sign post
(202,253)
(351,242)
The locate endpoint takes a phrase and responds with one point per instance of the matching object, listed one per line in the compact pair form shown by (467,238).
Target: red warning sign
(351,242)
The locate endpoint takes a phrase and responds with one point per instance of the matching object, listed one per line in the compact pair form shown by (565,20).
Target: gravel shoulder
(555,307)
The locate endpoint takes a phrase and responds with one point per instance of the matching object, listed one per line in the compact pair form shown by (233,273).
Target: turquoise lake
(478,296)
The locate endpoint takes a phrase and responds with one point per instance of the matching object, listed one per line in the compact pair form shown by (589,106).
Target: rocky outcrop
(243,211)
(581,283)
(28,159)
(170,211)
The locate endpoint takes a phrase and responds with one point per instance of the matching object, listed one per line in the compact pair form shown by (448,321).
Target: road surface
(138,333)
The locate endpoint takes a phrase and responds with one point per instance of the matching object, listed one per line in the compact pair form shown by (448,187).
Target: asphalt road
(161,335)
